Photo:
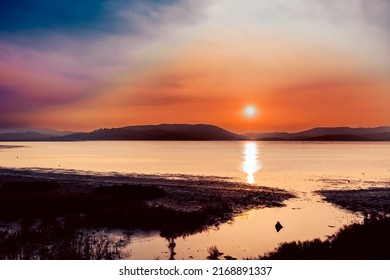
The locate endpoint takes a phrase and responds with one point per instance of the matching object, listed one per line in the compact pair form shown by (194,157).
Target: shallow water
(300,167)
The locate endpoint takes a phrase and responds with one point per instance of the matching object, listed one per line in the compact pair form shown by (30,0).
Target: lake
(299,167)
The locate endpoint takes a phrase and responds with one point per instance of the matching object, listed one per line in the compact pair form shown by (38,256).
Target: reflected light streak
(250,164)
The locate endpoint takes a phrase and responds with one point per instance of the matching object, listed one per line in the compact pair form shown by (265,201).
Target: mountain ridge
(380,133)
(198,132)
(33,134)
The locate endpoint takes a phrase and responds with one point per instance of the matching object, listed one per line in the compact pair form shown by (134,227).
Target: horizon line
(157,124)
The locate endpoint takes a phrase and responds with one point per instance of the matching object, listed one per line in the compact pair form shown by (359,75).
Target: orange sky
(297,71)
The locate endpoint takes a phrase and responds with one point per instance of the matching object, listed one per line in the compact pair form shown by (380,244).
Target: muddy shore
(60,213)
(360,241)
(371,201)
(184,192)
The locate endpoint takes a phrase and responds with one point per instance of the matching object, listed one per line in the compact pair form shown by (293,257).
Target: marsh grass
(366,241)
(39,207)
(57,240)
(214,253)
(30,187)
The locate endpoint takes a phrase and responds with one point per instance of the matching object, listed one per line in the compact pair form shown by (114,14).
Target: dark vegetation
(214,253)
(63,225)
(57,240)
(63,215)
(366,241)
(135,192)
(117,206)
(29,187)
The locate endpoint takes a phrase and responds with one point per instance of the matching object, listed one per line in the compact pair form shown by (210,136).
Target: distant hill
(340,137)
(328,134)
(196,132)
(156,132)
(30,134)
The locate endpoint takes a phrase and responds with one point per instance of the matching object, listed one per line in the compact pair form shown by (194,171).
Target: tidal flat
(368,240)
(239,221)
(56,210)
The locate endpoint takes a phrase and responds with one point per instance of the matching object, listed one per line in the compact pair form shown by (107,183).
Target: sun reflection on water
(250,165)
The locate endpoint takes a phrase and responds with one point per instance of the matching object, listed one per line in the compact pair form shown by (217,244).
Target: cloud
(67,51)
(368,11)
(120,56)
(76,16)
(119,28)
(91,17)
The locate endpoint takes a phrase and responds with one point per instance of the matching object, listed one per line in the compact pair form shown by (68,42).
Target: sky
(82,65)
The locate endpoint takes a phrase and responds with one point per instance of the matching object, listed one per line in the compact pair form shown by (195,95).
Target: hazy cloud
(66,51)
(78,54)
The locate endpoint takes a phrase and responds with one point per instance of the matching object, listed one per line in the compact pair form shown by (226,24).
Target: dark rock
(278,226)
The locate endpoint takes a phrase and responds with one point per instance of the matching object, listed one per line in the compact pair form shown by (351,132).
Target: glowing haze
(81,65)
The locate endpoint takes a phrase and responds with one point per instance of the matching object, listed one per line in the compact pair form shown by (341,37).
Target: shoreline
(72,207)
(373,201)
(367,240)
(174,205)
(184,192)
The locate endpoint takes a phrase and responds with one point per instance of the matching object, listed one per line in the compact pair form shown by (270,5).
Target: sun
(250,111)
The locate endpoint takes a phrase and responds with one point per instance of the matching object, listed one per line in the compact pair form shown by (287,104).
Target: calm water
(300,167)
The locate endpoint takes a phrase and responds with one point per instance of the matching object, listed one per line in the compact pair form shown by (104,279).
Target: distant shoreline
(198,132)
(10,146)
(173,140)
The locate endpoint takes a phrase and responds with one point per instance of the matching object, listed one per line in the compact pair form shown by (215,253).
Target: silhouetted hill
(22,136)
(202,132)
(323,131)
(341,137)
(328,134)
(30,134)
(156,132)
(378,136)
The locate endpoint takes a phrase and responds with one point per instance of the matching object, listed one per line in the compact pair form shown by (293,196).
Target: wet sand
(48,201)
(184,192)
(371,201)
(366,240)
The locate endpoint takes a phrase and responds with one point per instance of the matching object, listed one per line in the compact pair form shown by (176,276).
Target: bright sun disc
(250,111)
